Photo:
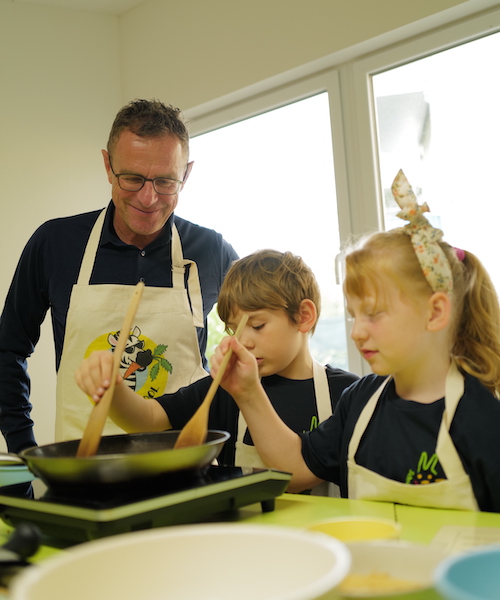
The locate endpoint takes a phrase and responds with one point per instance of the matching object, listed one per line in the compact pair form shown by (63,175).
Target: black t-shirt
(400,440)
(294,400)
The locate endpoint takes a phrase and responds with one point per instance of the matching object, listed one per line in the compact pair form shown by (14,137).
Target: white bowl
(389,562)
(192,562)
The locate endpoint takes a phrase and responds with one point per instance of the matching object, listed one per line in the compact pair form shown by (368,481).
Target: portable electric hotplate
(85,514)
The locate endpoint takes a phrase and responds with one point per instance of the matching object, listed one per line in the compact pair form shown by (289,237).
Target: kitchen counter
(297,510)
(450,529)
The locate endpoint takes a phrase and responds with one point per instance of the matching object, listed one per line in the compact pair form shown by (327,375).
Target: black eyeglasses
(133,183)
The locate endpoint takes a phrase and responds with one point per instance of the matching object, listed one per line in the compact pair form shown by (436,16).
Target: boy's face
(274,340)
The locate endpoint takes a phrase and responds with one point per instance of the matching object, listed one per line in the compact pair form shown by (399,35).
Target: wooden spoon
(195,430)
(93,431)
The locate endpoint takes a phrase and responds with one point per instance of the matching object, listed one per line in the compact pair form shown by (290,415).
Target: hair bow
(424,238)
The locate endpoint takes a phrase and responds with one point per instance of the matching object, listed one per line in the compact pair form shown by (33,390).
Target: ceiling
(111,7)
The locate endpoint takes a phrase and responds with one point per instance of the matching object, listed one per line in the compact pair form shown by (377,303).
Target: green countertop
(453,530)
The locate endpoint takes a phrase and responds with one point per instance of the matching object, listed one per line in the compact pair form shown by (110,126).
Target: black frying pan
(119,459)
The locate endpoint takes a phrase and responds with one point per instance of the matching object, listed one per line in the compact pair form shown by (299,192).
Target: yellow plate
(350,529)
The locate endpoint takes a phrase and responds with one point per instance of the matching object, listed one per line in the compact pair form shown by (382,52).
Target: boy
(280,295)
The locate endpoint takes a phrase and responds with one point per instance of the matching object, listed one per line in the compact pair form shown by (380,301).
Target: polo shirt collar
(109,235)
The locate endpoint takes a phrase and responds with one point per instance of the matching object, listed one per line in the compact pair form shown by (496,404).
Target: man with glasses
(84,268)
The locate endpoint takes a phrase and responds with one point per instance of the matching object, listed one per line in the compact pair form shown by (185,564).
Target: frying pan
(120,459)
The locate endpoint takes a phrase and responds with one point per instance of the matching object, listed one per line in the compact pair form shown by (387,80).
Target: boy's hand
(242,374)
(94,374)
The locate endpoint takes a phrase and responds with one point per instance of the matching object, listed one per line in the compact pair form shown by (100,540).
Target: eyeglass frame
(118,175)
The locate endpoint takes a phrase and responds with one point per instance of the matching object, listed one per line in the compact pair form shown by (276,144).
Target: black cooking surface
(77,515)
(107,496)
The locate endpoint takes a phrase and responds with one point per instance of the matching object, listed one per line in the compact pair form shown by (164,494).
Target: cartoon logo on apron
(143,367)
(426,471)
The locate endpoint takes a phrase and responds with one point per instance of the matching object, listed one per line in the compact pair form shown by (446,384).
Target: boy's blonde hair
(268,279)
(475,327)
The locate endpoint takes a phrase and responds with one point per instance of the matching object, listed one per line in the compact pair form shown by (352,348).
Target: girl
(424,428)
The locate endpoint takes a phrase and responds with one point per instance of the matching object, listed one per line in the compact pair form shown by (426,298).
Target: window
(438,120)
(384,114)
(268,182)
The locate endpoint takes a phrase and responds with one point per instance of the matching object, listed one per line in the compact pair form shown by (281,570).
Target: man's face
(140,216)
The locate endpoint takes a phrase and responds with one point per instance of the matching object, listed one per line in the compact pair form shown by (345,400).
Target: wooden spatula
(195,430)
(93,431)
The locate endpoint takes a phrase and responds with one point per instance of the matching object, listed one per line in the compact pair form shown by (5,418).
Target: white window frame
(359,124)
(352,113)
(359,112)
(281,96)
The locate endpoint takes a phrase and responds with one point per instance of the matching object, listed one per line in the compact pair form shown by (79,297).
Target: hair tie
(424,238)
(460,254)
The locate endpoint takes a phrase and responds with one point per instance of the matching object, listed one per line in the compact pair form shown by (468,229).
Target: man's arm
(24,311)
(15,408)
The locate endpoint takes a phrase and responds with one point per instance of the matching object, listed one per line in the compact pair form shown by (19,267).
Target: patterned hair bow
(424,238)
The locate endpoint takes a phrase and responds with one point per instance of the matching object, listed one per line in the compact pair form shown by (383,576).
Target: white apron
(247,455)
(454,492)
(163,335)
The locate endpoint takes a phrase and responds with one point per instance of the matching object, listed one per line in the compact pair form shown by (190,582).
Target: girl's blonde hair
(475,327)
(268,279)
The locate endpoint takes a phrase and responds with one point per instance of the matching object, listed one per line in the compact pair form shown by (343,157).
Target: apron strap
(324,406)
(321,391)
(179,264)
(445,448)
(91,250)
(363,420)
(242,427)
(177,260)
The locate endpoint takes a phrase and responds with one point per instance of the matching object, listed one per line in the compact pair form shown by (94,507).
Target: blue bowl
(474,575)
(14,474)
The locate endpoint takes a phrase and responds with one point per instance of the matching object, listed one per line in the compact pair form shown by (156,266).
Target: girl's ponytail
(476,345)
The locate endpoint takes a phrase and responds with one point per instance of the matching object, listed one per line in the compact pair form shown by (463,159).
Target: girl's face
(390,331)
(274,340)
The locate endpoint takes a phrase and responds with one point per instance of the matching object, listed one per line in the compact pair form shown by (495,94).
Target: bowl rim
(444,585)
(399,543)
(22,583)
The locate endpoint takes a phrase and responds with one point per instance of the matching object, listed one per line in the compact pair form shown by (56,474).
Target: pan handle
(8,458)
(23,543)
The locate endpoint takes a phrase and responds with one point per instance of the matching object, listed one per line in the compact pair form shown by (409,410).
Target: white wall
(60,82)
(190,52)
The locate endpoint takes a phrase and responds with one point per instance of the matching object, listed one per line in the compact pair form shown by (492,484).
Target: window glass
(438,119)
(268,182)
